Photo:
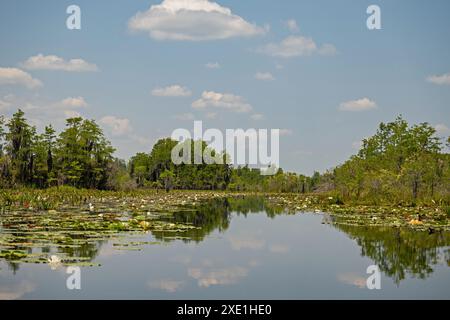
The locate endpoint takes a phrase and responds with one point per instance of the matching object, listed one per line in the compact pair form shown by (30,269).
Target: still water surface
(249,252)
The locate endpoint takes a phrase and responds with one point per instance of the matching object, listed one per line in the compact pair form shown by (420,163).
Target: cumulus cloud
(296,46)
(171,91)
(246,243)
(74,102)
(352,279)
(194,20)
(17,290)
(291,24)
(264,76)
(71,114)
(292,46)
(358,105)
(14,76)
(222,276)
(117,126)
(41,112)
(167,285)
(52,62)
(212,65)
(443,79)
(224,101)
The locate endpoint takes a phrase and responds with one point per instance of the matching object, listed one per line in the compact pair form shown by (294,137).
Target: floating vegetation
(420,218)
(73,224)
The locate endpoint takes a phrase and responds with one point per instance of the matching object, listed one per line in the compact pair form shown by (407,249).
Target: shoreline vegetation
(159,202)
(400,177)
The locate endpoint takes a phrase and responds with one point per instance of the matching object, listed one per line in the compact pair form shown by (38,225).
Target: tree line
(79,156)
(400,163)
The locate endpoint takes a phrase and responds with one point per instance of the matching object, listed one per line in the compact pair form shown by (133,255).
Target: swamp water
(224,249)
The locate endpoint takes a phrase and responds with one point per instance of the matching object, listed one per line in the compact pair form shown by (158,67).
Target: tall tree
(19,139)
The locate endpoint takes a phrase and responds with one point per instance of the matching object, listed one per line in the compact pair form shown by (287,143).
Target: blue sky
(310,68)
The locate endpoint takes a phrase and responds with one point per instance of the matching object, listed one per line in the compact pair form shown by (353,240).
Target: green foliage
(158,170)
(80,156)
(399,164)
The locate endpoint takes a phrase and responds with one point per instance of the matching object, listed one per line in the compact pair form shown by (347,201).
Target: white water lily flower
(54,262)
(91,207)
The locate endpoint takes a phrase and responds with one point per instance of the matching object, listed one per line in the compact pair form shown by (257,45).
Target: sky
(312,69)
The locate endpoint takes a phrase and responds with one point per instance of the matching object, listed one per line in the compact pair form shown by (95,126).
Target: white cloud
(74,102)
(257,116)
(292,46)
(52,62)
(71,114)
(194,20)
(296,46)
(264,76)
(172,91)
(225,101)
(352,279)
(212,65)
(184,117)
(291,24)
(222,276)
(238,243)
(167,285)
(117,126)
(358,105)
(41,112)
(440,80)
(17,290)
(18,77)
(442,130)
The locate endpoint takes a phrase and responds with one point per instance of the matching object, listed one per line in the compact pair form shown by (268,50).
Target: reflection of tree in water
(86,250)
(206,218)
(214,214)
(245,205)
(399,252)
(13,266)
